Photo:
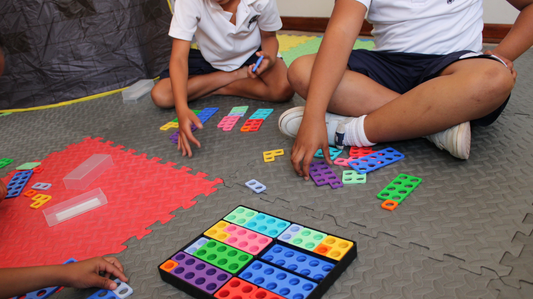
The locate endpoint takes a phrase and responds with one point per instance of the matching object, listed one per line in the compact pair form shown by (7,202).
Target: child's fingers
(109,268)
(325,152)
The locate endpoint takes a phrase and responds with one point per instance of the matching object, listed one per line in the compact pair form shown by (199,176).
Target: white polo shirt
(224,45)
(426,26)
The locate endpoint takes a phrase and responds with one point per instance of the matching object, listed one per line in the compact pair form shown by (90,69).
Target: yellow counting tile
(339,247)
(169,125)
(269,155)
(217,231)
(39,200)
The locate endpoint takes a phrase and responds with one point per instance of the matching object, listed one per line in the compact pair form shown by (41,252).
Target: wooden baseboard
(492,33)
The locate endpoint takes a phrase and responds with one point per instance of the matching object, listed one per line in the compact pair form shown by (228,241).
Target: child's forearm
(19,281)
(269,43)
(178,68)
(520,38)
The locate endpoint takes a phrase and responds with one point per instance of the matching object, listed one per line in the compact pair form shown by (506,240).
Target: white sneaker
(456,140)
(289,123)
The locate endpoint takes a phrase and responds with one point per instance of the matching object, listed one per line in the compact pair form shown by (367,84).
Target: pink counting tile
(228,122)
(344,162)
(246,240)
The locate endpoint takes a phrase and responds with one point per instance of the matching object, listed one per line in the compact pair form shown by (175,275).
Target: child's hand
(186,119)
(3,191)
(265,64)
(86,274)
(509,63)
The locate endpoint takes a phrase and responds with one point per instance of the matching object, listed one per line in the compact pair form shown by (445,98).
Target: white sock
(355,133)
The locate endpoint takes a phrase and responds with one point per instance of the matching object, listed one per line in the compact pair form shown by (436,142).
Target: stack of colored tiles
(256,120)
(203,115)
(250,254)
(228,122)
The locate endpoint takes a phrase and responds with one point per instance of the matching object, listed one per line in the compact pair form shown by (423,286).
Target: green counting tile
(400,188)
(240,216)
(223,256)
(175,120)
(308,239)
(239,109)
(5,161)
(352,177)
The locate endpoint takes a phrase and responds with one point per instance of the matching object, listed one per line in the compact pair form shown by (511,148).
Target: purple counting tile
(198,273)
(174,137)
(322,175)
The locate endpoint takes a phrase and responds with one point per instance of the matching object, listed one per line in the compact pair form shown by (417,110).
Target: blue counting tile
(290,232)
(376,160)
(267,225)
(333,153)
(17,183)
(103,294)
(261,113)
(122,291)
(206,113)
(241,114)
(255,186)
(277,280)
(199,243)
(298,262)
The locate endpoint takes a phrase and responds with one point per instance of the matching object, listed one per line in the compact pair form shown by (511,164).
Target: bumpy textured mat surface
(465,232)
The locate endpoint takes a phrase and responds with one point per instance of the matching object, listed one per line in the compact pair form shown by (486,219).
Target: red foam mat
(139,192)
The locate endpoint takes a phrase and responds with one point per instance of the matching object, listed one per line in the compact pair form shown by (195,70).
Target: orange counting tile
(389,205)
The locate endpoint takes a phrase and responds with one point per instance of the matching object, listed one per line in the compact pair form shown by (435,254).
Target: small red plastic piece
(264,294)
(360,151)
(236,288)
(38,169)
(30,193)
(252,125)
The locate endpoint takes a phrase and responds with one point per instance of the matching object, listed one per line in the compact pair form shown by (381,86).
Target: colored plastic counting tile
(333,153)
(400,188)
(39,200)
(169,125)
(240,114)
(389,205)
(252,125)
(5,161)
(322,174)
(246,240)
(206,113)
(240,215)
(360,151)
(267,225)
(256,186)
(168,265)
(123,290)
(28,166)
(376,160)
(343,161)
(199,243)
(88,171)
(236,288)
(38,169)
(338,247)
(197,112)
(198,273)
(277,280)
(308,239)
(268,156)
(298,262)
(217,231)
(352,177)
(261,113)
(290,232)
(238,109)
(30,193)
(41,186)
(223,256)
(228,122)
(17,183)
(264,294)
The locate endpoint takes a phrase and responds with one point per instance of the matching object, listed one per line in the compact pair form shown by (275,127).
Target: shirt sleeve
(269,19)
(365,3)
(185,20)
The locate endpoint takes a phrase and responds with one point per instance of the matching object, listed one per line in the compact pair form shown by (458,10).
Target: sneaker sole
(289,122)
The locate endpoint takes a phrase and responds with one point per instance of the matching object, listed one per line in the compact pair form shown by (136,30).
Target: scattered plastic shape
(206,113)
(228,122)
(308,239)
(5,161)
(198,273)
(175,136)
(299,262)
(333,153)
(6,113)
(217,231)
(122,291)
(360,151)
(240,215)
(88,171)
(223,256)
(236,288)
(277,280)
(28,166)
(389,205)
(343,161)
(41,186)
(30,193)
(267,225)
(246,240)
(38,169)
(352,177)
(239,109)
(39,200)
(290,232)
(400,188)
(75,206)
(240,114)
(168,265)
(199,243)
(17,183)
(268,156)
(261,114)
(252,125)
(322,174)
(256,186)
(257,63)
(169,125)
(337,247)
(133,94)
(376,160)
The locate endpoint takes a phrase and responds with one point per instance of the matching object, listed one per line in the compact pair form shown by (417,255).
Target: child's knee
(299,72)
(161,96)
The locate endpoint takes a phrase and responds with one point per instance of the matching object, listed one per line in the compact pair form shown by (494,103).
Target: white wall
(496,11)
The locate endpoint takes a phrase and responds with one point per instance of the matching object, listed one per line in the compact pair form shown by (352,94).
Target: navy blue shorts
(403,71)
(199,66)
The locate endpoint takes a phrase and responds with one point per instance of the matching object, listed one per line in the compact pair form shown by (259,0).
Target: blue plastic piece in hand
(258,63)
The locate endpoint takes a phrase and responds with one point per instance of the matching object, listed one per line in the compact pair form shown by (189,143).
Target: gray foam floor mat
(465,232)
